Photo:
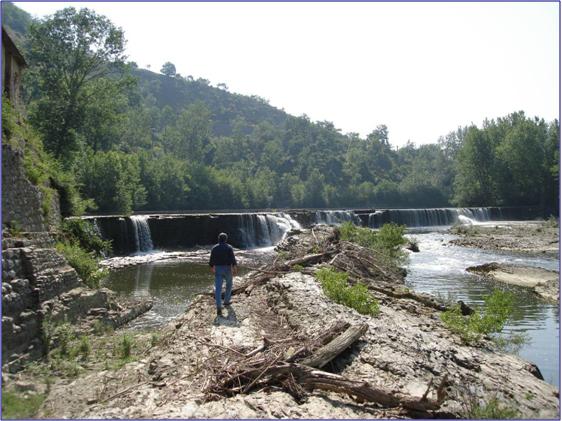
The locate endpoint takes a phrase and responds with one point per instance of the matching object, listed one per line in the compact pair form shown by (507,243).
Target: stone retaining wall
(21,200)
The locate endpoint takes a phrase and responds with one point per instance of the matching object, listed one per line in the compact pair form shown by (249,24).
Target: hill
(227,109)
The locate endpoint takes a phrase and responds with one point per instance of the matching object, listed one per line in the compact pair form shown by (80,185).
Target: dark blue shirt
(222,254)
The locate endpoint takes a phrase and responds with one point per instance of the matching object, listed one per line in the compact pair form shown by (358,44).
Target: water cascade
(428,217)
(141,231)
(262,230)
(335,217)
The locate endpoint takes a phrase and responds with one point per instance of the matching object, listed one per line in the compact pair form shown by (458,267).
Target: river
(439,269)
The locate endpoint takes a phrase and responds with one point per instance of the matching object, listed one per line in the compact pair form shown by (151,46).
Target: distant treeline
(130,139)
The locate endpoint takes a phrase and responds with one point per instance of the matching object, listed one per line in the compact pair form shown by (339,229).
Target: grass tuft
(19,406)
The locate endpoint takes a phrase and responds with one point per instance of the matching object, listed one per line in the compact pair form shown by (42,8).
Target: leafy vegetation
(497,309)
(82,246)
(387,240)
(41,168)
(83,233)
(491,410)
(20,406)
(138,140)
(335,286)
(83,262)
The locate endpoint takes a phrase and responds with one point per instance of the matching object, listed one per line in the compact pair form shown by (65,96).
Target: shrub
(84,348)
(84,263)
(387,240)
(335,286)
(82,232)
(498,307)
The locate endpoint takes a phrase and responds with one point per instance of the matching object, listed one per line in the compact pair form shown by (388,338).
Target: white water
(265,230)
(429,217)
(335,217)
(141,230)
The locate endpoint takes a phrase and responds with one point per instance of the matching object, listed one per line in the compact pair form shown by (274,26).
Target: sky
(423,69)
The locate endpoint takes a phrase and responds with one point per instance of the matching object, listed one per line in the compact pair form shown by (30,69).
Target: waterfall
(263,234)
(141,231)
(262,230)
(428,217)
(335,217)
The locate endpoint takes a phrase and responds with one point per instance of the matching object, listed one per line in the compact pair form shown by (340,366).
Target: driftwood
(328,352)
(308,259)
(391,292)
(316,379)
(294,363)
(270,365)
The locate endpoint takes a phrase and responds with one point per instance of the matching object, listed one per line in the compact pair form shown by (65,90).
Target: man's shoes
(219,312)
(228,304)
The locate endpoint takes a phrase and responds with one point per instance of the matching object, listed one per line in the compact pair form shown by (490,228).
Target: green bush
(335,286)
(84,263)
(498,307)
(82,232)
(387,240)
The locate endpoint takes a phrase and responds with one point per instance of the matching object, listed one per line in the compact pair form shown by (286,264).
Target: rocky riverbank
(539,238)
(545,283)
(404,363)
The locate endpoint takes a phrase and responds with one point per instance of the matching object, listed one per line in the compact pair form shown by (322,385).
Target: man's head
(223,237)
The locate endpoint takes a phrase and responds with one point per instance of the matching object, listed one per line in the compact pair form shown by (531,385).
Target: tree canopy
(137,140)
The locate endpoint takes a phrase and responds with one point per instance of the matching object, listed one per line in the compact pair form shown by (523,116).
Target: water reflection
(171,286)
(439,268)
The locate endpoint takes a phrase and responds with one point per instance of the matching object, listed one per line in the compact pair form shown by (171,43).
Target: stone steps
(29,239)
(52,284)
(38,260)
(75,304)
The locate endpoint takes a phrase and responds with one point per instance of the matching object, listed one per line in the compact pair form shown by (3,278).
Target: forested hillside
(132,139)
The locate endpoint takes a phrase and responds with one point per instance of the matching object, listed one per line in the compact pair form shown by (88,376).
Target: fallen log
(307,260)
(317,379)
(310,378)
(391,292)
(331,350)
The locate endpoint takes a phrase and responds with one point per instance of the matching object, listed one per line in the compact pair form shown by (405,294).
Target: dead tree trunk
(328,352)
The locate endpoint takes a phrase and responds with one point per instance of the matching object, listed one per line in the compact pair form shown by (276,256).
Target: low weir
(143,233)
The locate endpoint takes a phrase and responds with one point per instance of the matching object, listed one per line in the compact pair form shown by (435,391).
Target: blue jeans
(220,273)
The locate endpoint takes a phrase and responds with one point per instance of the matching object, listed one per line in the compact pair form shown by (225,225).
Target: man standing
(223,265)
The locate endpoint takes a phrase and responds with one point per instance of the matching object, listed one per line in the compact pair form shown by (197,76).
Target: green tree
(70,51)
(168,69)
(474,180)
(113,180)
